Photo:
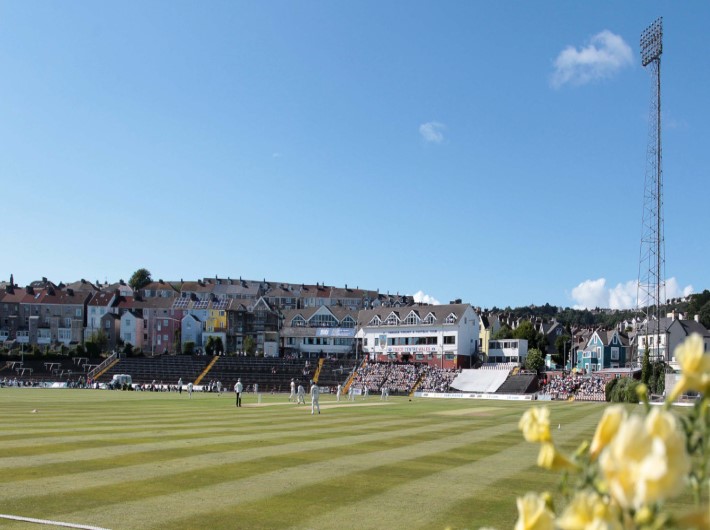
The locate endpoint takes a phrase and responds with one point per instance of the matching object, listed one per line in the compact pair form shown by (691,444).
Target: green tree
(209,345)
(704,315)
(100,339)
(535,360)
(177,341)
(249,345)
(218,346)
(645,368)
(92,349)
(504,332)
(189,348)
(609,388)
(140,279)
(697,301)
(536,340)
(624,391)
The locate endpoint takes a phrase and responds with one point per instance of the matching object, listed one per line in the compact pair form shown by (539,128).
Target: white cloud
(604,56)
(590,294)
(674,290)
(432,132)
(594,293)
(624,295)
(420,297)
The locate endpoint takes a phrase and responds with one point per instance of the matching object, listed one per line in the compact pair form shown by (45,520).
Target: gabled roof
(160,285)
(339,313)
(440,313)
(279,292)
(154,302)
(691,326)
(103,299)
(82,286)
(125,302)
(52,296)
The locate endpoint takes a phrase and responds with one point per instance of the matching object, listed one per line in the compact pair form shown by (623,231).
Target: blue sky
(489,151)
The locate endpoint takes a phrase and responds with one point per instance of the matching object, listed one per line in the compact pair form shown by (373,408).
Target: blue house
(604,349)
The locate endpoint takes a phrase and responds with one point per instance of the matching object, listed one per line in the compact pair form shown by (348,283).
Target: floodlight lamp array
(652,42)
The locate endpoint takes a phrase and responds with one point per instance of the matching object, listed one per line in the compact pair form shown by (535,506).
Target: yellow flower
(607,428)
(694,364)
(589,511)
(533,513)
(550,458)
(535,424)
(646,461)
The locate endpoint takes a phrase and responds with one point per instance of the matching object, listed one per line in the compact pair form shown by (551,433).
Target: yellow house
(216,320)
(489,324)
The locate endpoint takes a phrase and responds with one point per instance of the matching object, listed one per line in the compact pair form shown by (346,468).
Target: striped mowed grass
(138,460)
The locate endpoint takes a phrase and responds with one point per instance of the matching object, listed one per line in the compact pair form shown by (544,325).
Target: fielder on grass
(238,388)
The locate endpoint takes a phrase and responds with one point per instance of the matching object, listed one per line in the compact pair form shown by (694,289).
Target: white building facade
(507,351)
(441,335)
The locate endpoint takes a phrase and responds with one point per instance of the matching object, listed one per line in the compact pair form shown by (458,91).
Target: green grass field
(132,460)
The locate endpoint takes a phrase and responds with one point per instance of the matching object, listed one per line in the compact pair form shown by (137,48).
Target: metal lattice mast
(652,262)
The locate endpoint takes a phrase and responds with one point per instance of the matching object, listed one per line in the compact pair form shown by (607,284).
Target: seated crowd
(584,388)
(401,378)
(438,379)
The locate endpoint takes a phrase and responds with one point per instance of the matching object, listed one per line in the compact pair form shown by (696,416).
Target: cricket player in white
(315,394)
(189,389)
(301,396)
(238,388)
(292,396)
(340,391)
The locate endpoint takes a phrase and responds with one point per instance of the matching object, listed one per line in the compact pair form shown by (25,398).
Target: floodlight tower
(651,291)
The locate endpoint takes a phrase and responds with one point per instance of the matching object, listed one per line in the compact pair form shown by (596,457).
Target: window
(298,321)
(615,354)
(392,320)
(365,342)
(449,339)
(412,319)
(429,319)
(323,321)
(451,319)
(376,321)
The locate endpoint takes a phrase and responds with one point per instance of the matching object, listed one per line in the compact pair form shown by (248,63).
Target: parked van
(121,380)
